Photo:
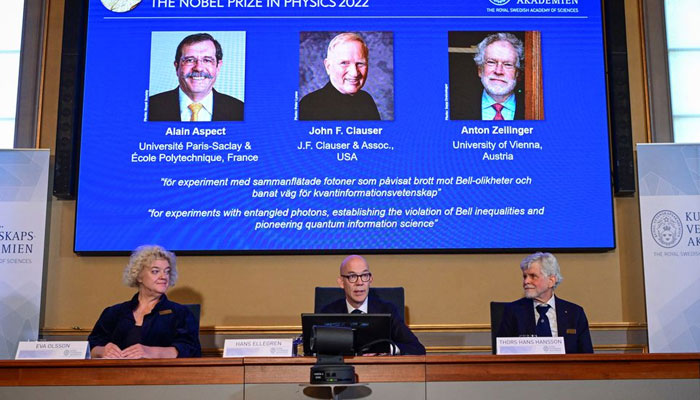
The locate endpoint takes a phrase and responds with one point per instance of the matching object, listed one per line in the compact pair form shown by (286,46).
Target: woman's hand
(110,350)
(137,351)
(141,351)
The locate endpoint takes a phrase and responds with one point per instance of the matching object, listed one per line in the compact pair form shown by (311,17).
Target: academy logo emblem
(666,229)
(499,2)
(120,6)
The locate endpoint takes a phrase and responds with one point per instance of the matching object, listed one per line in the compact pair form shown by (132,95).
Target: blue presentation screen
(337,125)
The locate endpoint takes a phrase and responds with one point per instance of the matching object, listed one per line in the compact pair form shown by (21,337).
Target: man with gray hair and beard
(499,60)
(540,312)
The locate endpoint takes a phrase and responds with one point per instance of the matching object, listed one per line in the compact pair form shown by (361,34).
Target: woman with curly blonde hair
(149,325)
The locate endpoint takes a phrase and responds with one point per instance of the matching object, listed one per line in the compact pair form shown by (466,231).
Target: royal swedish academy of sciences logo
(499,2)
(666,229)
(120,6)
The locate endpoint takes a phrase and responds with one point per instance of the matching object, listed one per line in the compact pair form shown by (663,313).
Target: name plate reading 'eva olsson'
(530,345)
(52,351)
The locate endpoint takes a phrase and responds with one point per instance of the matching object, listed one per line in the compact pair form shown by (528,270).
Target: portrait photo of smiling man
(199,66)
(346,76)
(495,76)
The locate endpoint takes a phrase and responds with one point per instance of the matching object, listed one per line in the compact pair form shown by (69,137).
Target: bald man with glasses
(355,279)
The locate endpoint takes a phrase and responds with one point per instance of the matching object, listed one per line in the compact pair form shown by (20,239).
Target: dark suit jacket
(406,341)
(519,319)
(463,107)
(166,107)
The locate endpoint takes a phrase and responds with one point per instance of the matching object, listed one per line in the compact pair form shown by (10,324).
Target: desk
(388,377)
(444,377)
(203,379)
(571,377)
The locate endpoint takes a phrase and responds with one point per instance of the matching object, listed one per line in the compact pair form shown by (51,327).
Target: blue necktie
(356,311)
(542,328)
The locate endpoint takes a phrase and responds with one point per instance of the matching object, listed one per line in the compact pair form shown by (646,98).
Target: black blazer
(166,107)
(406,341)
(168,324)
(519,319)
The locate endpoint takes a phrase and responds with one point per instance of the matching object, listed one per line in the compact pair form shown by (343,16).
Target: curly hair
(142,258)
(497,37)
(549,265)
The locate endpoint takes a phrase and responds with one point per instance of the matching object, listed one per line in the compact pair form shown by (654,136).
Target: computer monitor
(366,328)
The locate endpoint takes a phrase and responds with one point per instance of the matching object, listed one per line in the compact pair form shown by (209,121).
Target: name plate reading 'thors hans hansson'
(530,345)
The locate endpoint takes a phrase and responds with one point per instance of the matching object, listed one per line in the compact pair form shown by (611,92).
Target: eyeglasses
(206,61)
(352,278)
(506,65)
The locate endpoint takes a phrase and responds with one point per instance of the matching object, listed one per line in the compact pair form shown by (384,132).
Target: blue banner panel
(331,125)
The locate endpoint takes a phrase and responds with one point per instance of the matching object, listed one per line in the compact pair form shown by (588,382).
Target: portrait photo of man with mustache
(198,63)
(486,77)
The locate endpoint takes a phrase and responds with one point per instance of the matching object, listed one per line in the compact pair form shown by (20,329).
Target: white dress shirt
(362,307)
(204,114)
(488,112)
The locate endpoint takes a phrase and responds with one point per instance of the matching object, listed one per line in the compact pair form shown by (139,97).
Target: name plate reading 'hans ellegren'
(52,351)
(530,345)
(258,347)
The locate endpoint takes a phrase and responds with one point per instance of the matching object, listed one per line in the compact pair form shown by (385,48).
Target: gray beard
(498,90)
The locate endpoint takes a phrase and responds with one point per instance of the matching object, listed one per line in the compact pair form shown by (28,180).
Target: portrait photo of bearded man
(487,77)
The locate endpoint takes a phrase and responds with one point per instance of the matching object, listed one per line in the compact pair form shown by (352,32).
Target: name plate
(258,348)
(530,345)
(52,351)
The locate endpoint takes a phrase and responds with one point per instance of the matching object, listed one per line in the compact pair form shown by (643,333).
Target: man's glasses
(352,278)
(506,65)
(206,61)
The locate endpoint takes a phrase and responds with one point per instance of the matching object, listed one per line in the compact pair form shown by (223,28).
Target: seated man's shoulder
(517,307)
(337,306)
(384,307)
(572,306)
(520,302)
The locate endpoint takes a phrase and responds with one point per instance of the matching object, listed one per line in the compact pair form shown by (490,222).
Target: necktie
(356,311)
(542,328)
(195,107)
(498,107)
